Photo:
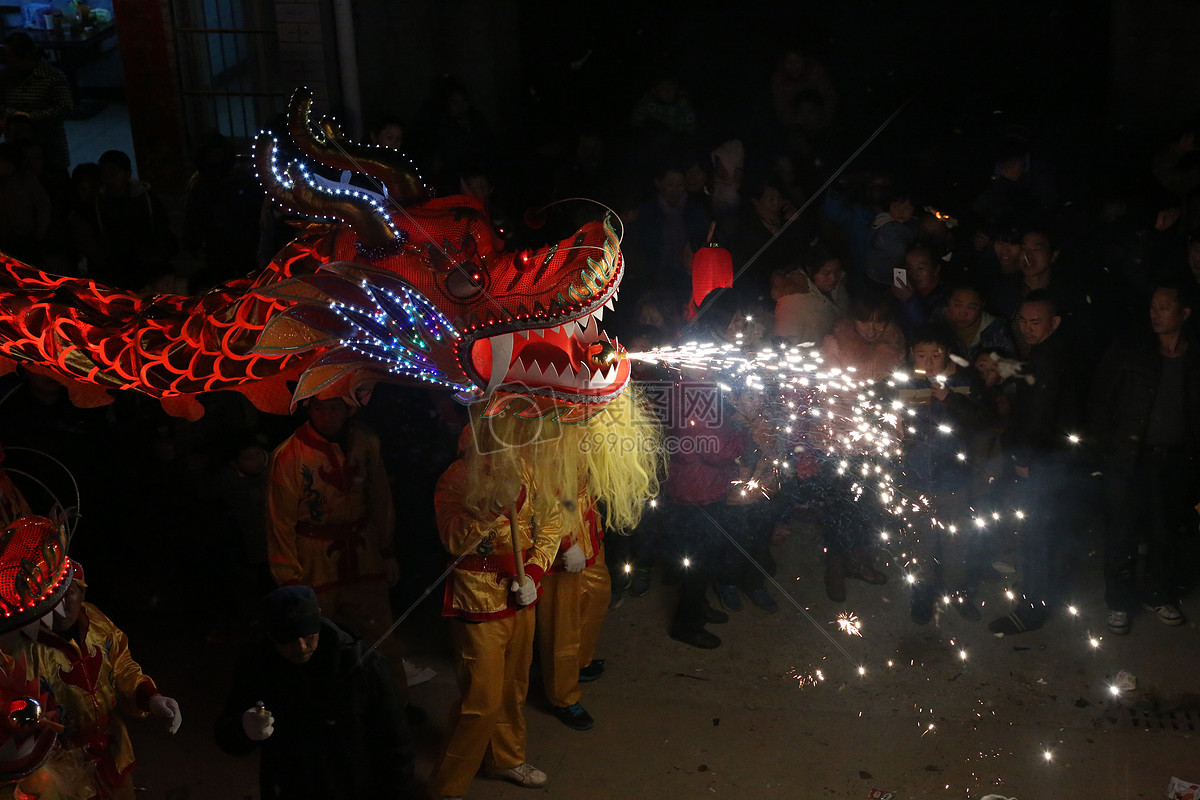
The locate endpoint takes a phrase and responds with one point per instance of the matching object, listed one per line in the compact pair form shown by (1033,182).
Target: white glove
(258,723)
(573,559)
(391,571)
(168,709)
(526,592)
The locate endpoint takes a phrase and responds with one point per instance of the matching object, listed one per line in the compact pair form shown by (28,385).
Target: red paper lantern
(712,268)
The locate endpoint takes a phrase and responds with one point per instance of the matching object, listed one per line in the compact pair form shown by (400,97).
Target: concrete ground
(781,710)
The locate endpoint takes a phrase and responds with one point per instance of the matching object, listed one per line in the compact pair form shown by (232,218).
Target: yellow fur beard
(616,457)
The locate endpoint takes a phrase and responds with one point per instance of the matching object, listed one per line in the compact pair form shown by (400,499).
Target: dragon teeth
(609,303)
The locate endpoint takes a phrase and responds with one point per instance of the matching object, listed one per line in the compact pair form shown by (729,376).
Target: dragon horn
(331,148)
(295,189)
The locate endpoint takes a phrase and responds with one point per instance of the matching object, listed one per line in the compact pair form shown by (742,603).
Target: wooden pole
(518,558)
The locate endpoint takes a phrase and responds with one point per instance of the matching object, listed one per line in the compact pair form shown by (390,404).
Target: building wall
(308,49)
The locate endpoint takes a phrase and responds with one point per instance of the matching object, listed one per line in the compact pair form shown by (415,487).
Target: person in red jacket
(705,462)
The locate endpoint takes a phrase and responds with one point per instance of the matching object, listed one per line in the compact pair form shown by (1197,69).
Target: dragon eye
(465,282)
(24,712)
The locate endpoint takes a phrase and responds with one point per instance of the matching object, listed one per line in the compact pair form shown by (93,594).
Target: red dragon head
(414,288)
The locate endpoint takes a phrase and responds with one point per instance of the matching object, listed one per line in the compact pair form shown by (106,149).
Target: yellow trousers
(570,611)
(487,724)
(364,610)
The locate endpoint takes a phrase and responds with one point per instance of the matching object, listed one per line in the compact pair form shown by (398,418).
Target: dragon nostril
(604,354)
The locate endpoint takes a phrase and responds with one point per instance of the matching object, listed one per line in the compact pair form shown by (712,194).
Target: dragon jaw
(574,362)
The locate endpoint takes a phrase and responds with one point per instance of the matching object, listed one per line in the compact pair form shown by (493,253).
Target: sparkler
(849,623)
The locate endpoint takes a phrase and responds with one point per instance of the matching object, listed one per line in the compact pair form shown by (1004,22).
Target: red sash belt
(344,538)
(500,563)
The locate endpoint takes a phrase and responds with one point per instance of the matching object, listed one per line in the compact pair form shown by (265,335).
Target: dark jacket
(1122,398)
(940,431)
(340,731)
(1046,410)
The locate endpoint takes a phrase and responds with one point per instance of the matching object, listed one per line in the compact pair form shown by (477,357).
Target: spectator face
(769,204)
(989,370)
(666,91)
(252,460)
(695,179)
(1012,169)
(458,107)
(1036,255)
(1008,254)
(1037,323)
(929,358)
(114,180)
(1194,259)
(901,210)
(964,308)
(671,188)
(742,329)
(828,276)
(922,272)
(871,329)
(328,417)
(795,64)
(298,651)
(85,188)
(391,136)
(1167,314)
(749,402)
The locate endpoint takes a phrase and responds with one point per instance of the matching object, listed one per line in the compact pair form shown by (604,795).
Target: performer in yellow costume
(86,664)
(492,628)
(331,524)
(512,466)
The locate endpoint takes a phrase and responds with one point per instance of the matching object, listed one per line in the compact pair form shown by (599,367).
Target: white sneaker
(1168,613)
(525,775)
(415,676)
(1118,622)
